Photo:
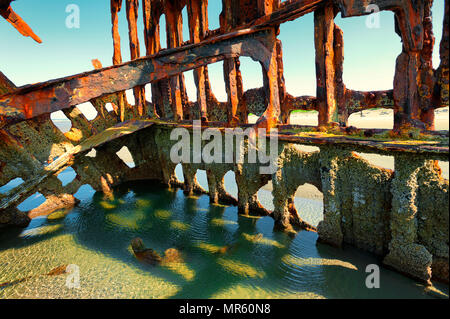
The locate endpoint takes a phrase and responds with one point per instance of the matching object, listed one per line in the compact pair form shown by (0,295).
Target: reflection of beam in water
(259,239)
(179,225)
(239,290)
(315,262)
(240,269)
(41,231)
(222,222)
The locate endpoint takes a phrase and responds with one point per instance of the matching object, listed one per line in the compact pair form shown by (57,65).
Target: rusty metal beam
(66,159)
(33,100)
(17,22)
(288,12)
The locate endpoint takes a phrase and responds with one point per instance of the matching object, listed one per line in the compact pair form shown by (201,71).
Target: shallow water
(96,237)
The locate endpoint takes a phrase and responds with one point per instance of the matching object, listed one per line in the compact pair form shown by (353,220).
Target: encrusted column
(329,229)
(249,181)
(405,254)
(295,168)
(217,193)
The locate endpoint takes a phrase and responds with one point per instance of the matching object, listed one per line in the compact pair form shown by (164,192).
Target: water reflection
(224,255)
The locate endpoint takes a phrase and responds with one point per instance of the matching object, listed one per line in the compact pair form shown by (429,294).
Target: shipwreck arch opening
(437,11)
(162,32)
(179,173)
(378,118)
(85,192)
(31,202)
(299,56)
(301,117)
(125,155)
(88,110)
(251,73)
(308,201)
(217,82)
(202,179)
(230,185)
(109,107)
(185,18)
(191,88)
(129,94)
(67,176)
(307,148)
(92,153)
(11,185)
(214,11)
(370,44)
(148,93)
(265,196)
(444,166)
(61,121)
(441,118)
(384,161)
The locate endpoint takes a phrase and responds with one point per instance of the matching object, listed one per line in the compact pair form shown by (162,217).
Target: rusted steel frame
(36,179)
(406,79)
(426,73)
(151,27)
(16,21)
(356,101)
(291,103)
(230,71)
(174,32)
(116,6)
(266,7)
(6,86)
(132,7)
(281,81)
(67,159)
(234,13)
(325,65)
(409,19)
(287,12)
(33,100)
(151,12)
(100,103)
(198,25)
(271,116)
(339,86)
(409,16)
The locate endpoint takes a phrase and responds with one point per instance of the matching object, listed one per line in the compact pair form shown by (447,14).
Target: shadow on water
(225,255)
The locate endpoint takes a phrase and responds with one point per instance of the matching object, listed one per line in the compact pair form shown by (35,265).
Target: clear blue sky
(369,53)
